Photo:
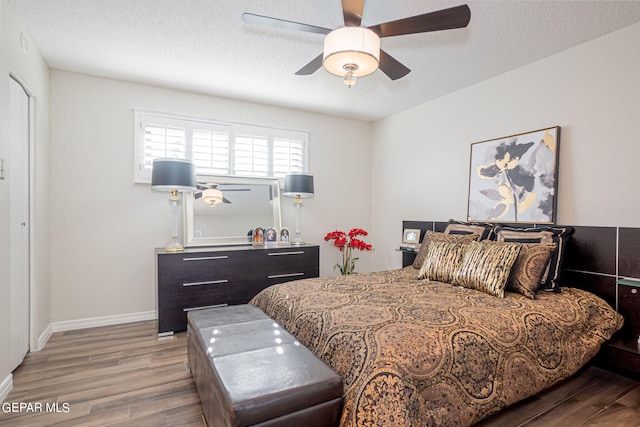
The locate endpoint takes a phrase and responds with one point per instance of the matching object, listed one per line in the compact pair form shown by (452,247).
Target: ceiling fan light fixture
(350,78)
(212,197)
(351,50)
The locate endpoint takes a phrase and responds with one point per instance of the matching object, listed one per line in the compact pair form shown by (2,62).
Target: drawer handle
(203,307)
(279,276)
(211,282)
(205,258)
(286,253)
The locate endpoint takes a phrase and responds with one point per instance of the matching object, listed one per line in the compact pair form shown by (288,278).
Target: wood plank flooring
(125,376)
(116,375)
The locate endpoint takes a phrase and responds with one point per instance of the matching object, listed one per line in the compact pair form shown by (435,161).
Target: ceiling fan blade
(225,200)
(352,11)
(311,67)
(391,66)
(267,21)
(445,19)
(197,195)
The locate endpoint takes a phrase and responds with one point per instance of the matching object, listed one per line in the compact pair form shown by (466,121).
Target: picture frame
(258,236)
(514,179)
(285,237)
(270,236)
(411,236)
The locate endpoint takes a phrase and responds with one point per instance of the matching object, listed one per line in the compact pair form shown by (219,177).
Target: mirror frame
(191,241)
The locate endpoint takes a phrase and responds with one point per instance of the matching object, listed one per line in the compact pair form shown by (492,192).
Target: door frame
(33,335)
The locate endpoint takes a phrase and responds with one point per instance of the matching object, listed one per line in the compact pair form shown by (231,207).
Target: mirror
(248,203)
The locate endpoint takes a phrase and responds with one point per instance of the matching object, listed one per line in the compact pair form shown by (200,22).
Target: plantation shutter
(210,150)
(251,156)
(217,148)
(287,157)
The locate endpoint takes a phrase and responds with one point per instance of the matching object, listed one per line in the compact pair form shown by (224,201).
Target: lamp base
(174,246)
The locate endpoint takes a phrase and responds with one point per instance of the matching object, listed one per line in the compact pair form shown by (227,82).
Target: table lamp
(174,175)
(298,185)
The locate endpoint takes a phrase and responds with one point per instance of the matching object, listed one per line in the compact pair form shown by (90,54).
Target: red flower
(357,232)
(346,242)
(359,244)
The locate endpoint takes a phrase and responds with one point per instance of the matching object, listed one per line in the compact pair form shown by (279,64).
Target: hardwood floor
(116,375)
(125,376)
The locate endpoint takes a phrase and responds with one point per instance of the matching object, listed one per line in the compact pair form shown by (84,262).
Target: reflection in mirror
(247,203)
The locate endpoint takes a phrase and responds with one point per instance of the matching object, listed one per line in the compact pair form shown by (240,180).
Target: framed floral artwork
(514,179)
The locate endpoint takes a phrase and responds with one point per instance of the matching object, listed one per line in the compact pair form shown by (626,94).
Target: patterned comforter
(420,353)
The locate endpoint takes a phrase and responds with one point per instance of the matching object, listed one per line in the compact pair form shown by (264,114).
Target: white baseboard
(70,325)
(5,387)
(44,337)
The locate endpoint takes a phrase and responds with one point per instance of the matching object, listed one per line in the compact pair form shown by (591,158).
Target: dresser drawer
(283,261)
(199,267)
(197,294)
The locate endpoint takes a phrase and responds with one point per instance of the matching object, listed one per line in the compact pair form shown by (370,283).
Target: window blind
(218,148)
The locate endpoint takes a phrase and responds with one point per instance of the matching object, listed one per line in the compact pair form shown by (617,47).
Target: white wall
(105,227)
(31,70)
(421,156)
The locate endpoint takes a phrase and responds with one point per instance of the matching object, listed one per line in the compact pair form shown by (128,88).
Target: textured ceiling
(203,46)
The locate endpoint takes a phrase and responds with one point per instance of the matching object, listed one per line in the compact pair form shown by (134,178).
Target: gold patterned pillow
(486,266)
(433,236)
(529,268)
(443,261)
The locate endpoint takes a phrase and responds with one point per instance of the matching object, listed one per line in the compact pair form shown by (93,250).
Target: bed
(419,352)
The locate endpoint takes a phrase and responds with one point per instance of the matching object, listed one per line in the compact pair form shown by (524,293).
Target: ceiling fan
(211,195)
(354,51)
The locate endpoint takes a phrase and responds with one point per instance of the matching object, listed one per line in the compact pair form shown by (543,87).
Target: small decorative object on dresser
(217,276)
(285,237)
(270,236)
(347,242)
(258,237)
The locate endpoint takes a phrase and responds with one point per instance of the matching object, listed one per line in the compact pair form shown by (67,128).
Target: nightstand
(623,351)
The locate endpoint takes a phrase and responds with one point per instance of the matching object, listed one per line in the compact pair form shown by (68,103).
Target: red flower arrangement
(347,242)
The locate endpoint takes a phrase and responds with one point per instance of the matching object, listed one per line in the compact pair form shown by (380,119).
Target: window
(217,148)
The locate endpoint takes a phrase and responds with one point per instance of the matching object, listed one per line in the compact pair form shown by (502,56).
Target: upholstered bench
(249,371)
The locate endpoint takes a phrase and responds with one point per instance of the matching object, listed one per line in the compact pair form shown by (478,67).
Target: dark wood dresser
(216,276)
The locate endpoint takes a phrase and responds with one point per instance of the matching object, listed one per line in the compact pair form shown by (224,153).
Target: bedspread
(418,353)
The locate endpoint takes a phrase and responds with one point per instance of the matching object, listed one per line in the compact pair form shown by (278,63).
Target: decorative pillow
(443,261)
(529,268)
(558,235)
(483,229)
(433,236)
(486,266)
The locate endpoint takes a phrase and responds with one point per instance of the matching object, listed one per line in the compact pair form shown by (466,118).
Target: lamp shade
(173,174)
(212,196)
(298,184)
(351,46)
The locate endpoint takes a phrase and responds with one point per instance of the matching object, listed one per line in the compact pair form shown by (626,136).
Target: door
(18,176)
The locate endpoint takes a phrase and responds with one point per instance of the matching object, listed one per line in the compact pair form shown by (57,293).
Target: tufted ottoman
(249,371)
